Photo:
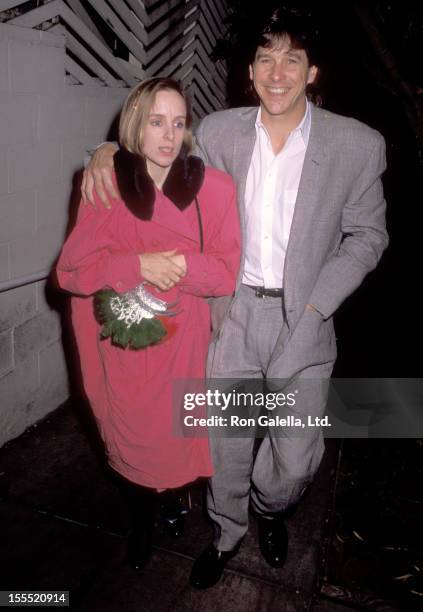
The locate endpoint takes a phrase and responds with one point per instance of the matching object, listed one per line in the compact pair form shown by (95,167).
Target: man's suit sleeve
(200,148)
(364,237)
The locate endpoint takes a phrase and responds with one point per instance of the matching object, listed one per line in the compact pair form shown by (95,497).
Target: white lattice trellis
(118,42)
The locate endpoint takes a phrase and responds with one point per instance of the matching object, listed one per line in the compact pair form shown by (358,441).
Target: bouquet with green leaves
(135,319)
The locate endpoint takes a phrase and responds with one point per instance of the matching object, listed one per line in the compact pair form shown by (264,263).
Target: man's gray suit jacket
(338,231)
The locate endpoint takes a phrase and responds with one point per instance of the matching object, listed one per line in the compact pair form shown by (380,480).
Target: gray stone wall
(46,126)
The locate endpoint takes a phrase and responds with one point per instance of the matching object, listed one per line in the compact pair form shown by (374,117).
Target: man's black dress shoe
(208,568)
(273,539)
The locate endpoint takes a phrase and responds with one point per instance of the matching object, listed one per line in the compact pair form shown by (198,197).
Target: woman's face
(164,133)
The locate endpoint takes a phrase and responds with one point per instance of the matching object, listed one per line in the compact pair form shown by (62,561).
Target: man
(313,222)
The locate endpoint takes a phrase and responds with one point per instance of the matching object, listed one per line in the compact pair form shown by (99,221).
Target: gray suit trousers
(255,342)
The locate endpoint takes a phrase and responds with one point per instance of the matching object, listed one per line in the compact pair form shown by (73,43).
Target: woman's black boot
(174,505)
(142,504)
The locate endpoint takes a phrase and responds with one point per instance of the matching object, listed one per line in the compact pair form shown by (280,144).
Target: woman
(176,233)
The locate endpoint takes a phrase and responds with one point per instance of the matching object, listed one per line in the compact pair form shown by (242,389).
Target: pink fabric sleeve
(92,259)
(214,272)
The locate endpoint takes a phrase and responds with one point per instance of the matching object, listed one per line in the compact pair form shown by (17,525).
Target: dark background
(371,70)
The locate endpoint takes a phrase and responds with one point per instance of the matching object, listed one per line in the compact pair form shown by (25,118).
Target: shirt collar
(303,127)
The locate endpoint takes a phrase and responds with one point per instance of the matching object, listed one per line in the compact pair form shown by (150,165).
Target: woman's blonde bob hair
(136,110)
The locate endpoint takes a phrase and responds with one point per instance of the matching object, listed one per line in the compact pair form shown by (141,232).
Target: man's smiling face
(280,75)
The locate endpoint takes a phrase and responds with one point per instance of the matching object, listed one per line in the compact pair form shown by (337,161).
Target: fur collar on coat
(137,189)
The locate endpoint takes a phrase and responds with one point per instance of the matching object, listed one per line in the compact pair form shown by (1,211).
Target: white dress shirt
(270,195)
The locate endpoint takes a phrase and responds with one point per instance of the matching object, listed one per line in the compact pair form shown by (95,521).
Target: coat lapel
(174,210)
(309,195)
(169,216)
(243,150)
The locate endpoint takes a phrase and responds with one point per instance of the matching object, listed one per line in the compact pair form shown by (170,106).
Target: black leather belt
(263,292)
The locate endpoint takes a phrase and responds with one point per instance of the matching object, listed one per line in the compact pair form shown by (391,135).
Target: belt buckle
(259,292)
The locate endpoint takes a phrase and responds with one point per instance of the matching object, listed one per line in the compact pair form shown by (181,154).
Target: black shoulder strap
(200,225)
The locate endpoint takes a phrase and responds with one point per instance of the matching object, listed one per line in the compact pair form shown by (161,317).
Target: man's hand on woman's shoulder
(98,176)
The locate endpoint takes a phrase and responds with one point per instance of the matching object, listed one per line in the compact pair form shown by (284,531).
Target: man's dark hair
(263,26)
(303,33)
(298,26)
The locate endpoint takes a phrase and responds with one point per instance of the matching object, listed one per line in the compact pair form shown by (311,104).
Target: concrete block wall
(46,127)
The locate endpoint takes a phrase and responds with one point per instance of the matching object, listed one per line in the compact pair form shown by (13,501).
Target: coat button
(119,284)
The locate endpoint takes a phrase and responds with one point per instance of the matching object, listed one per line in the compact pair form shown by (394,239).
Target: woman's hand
(163,269)
(98,176)
(180,261)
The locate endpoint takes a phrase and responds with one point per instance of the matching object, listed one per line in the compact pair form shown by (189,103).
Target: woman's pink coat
(131,392)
